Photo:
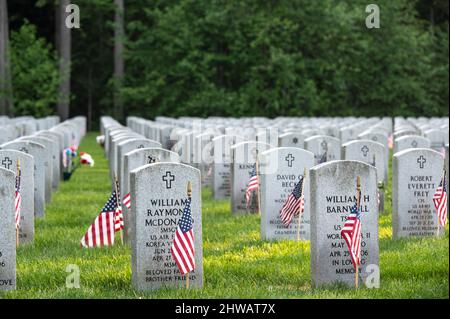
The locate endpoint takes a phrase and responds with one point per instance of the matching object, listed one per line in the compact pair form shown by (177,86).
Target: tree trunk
(119,64)
(64,62)
(6,104)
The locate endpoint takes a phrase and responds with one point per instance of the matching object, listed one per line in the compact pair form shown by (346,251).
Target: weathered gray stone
(411,141)
(291,139)
(244,156)
(136,159)
(325,148)
(41,158)
(437,138)
(333,193)
(369,152)
(127,146)
(221,169)
(51,148)
(416,175)
(8,231)
(58,138)
(157,214)
(9,160)
(281,169)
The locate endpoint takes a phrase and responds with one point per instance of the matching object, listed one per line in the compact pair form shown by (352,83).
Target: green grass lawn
(237,264)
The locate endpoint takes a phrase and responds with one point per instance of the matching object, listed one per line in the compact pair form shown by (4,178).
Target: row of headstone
(157,183)
(39,157)
(332,154)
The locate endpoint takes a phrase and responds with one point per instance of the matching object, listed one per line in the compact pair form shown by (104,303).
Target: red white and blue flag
(102,230)
(294,204)
(440,198)
(126,201)
(253,184)
(183,250)
(17,199)
(351,232)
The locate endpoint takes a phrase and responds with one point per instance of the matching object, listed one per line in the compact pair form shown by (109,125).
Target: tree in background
(119,65)
(6,101)
(34,73)
(64,48)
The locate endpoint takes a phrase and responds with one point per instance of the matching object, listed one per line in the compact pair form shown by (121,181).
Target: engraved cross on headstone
(168,178)
(290,159)
(7,163)
(421,160)
(365,150)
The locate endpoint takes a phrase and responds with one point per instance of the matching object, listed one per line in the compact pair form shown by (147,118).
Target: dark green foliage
(34,73)
(283,58)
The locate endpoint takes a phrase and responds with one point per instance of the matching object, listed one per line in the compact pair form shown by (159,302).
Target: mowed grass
(237,264)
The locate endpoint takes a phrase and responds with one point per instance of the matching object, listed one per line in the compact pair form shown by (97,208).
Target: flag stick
(189,194)
(116,187)
(19,173)
(300,212)
(358,199)
(259,185)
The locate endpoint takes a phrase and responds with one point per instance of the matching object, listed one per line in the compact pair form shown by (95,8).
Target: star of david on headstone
(7,163)
(421,161)
(324,145)
(24,149)
(365,150)
(290,159)
(414,144)
(168,178)
(375,138)
(295,140)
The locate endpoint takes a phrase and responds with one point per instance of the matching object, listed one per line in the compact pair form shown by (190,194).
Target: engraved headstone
(8,231)
(135,159)
(411,141)
(416,175)
(221,169)
(41,158)
(333,191)
(281,169)
(9,159)
(369,152)
(325,148)
(157,213)
(244,158)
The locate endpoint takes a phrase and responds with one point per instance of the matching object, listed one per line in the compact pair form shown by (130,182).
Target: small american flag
(183,250)
(352,234)
(294,204)
(440,201)
(101,232)
(17,199)
(126,201)
(110,220)
(253,184)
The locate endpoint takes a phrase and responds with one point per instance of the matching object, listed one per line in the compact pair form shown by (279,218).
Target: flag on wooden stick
(18,196)
(253,185)
(101,232)
(294,205)
(183,250)
(351,232)
(440,198)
